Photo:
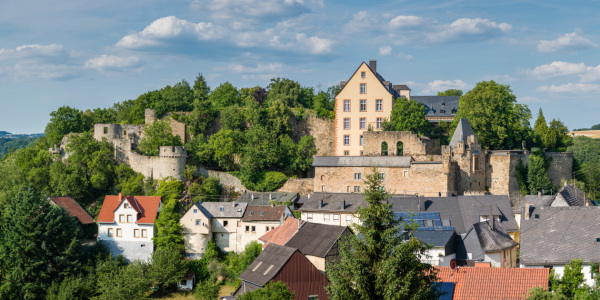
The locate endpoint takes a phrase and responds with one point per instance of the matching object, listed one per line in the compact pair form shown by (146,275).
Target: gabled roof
(260,198)
(493,283)
(536,201)
(282,233)
(463,130)
(145,206)
(435,238)
(73,209)
(225,209)
(332,202)
(438,106)
(572,195)
(560,234)
(362,161)
(379,78)
(267,264)
(316,239)
(493,240)
(264,213)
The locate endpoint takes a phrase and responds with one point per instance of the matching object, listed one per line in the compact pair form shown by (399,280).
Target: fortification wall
(169,163)
(226,179)
(561,167)
(302,186)
(322,130)
(412,143)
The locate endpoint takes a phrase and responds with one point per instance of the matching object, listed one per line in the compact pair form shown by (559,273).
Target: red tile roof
(145,206)
(493,283)
(74,209)
(282,233)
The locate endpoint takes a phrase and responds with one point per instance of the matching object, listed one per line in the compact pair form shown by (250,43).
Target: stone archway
(399,148)
(384,149)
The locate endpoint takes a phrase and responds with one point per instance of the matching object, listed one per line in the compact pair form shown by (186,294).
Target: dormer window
(221,209)
(251,213)
(262,213)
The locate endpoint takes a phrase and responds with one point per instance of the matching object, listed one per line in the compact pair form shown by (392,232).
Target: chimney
(483,264)
(373,65)
(120,196)
(527,208)
(491,221)
(252,196)
(308,196)
(320,204)
(343,204)
(539,193)
(299,223)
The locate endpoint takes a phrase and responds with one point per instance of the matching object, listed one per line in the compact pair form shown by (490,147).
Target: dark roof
(224,209)
(333,202)
(493,240)
(73,209)
(264,213)
(264,198)
(472,207)
(536,201)
(572,195)
(436,238)
(267,264)
(316,239)
(400,87)
(438,106)
(362,161)
(463,130)
(560,234)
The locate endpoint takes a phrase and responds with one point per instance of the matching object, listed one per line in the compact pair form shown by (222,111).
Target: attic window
(195,211)
(454,110)
(126,205)
(597,240)
(251,213)
(262,213)
(363,74)
(239,209)
(220,208)
(537,216)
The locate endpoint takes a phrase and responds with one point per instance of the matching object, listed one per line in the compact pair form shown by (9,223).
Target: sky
(89,54)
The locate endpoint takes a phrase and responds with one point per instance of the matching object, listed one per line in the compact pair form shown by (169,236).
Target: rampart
(412,144)
(227,180)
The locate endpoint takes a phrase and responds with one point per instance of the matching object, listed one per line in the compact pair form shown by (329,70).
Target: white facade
(437,257)
(252,230)
(560,270)
(196,232)
(227,233)
(330,218)
(502,259)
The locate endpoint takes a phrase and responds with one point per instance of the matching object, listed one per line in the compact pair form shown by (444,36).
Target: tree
(571,281)
(225,95)
(537,177)
(451,92)
(169,233)
(66,120)
(232,118)
(305,152)
(495,116)
(224,146)
(380,264)
(558,136)
(201,89)
(167,267)
(285,90)
(127,282)
(38,245)
(156,135)
(272,291)
(408,115)
(179,97)
(538,293)
(540,130)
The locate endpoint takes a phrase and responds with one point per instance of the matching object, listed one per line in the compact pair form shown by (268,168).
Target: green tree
(232,118)
(495,116)
(169,233)
(179,97)
(408,115)
(537,177)
(123,283)
(156,135)
(207,290)
(380,264)
(167,267)
(66,120)
(285,90)
(540,130)
(305,152)
(571,281)
(538,293)
(451,92)
(272,291)
(558,136)
(201,89)
(224,146)
(38,245)
(225,95)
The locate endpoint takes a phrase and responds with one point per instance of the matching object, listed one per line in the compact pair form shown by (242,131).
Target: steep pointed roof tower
(463,130)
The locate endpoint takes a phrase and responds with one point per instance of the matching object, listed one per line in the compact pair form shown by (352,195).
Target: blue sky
(89,54)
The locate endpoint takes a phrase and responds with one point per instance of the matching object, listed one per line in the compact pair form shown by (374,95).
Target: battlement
(172,151)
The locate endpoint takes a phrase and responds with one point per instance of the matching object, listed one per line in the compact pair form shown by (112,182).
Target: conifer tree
(540,130)
(381,262)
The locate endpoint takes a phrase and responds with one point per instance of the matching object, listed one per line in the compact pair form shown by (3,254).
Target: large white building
(126,225)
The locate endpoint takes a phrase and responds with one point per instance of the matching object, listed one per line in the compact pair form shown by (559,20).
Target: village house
(487,241)
(282,233)
(226,224)
(126,225)
(74,210)
(332,208)
(551,237)
(197,230)
(443,243)
(288,265)
(259,220)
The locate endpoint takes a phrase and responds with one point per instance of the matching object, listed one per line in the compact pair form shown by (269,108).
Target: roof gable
(267,264)
(73,209)
(493,240)
(462,131)
(367,69)
(146,208)
(316,239)
(282,233)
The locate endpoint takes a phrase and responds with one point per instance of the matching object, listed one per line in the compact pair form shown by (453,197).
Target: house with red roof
(73,209)
(126,225)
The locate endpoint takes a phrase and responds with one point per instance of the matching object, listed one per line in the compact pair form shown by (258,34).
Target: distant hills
(6,134)
(9,141)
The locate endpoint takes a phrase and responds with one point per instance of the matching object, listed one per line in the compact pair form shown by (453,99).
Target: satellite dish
(453,264)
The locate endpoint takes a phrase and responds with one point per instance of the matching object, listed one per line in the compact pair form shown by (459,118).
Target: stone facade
(411,143)
(322,130)
(302,186)
(227,180)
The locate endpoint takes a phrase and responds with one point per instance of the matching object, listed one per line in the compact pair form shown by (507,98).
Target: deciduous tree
(408,115)
(156,135)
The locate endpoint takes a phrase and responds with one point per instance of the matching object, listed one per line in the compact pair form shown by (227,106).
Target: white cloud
(466,29)
(405,56)
(34,61)
(556,69)
(363,21)
(442,85)
(107,62)
(385,50)
(254,9)
(259,69)
(403,22)
(570,88)
(567,42)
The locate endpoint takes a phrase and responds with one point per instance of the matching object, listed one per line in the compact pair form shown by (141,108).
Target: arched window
(399,148)
(384,149)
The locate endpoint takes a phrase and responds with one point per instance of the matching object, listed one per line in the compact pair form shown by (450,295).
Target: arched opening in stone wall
(384,149)
(399,148)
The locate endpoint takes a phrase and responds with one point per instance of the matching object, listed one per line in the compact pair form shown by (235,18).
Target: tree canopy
(156,135)
(451,92)
(408,115)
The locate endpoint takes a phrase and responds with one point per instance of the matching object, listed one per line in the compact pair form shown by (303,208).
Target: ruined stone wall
(426,179)
(561,167)
(498,170)
(412,143)
(227,180)
(322,130)
(302,186)
(169,163)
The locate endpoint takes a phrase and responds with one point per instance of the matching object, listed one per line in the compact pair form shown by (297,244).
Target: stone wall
(561,167)
(412,143)
(169,163)
(322,130)
(302,186)
(227,180)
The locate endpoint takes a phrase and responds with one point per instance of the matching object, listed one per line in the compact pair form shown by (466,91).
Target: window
(136,233)
(357,176)
(144,233)
(314,297)
(126,205)
(378,105)
(221,208)
(379,120)
(336,218)
(346,152)
(363,123)
(309,215)
(121,218)
(357,189)
(361,153)
(348,189)
(105,130)
(363,105)
(322,177)
(346,140)
(253,228)
(267,228)
(119,232)
(110,232)
(198,222)
(322,188)
(405,174)
(363,74)
(346,123)
(183,282)
(363,88)
(129,219)
(381,176)
(247,228)
(195,211)
(348,219)
(225,223)
(326,217)
(346,105)
(362,141)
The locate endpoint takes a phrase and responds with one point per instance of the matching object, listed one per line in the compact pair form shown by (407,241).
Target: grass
(226,290)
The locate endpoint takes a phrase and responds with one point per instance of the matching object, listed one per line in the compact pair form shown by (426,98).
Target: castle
(170,161)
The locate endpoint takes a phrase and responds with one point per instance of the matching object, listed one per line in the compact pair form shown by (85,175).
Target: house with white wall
(226,224)
(443,246)
(126,225)
(339,209)
(258,220)
(197,230)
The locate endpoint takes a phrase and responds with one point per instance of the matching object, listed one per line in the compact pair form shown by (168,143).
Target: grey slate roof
(316,239)
(261,198)
(224,209)
(362,161)
(536,201)
(267,264)
(493,240)
(438,106)
(463,130)
(332,202)
(437,238)
(560,235)
(572,195)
